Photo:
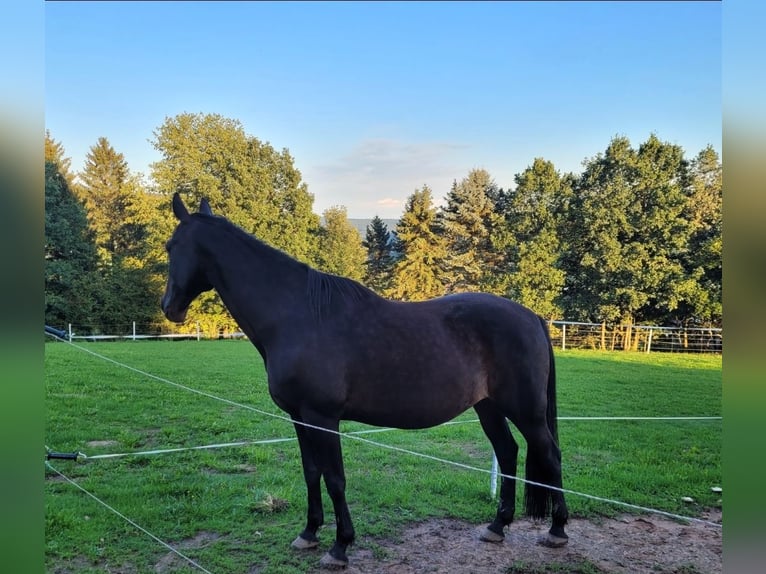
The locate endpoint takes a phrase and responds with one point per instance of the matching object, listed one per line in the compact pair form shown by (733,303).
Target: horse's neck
(260,286)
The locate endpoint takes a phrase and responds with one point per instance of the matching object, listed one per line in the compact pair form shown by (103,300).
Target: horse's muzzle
(172,312)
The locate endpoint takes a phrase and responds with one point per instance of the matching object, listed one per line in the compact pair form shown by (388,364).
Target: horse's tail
(538,500)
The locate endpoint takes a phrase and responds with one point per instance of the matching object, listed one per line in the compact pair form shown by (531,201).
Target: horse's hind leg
(506,450)
(544,466)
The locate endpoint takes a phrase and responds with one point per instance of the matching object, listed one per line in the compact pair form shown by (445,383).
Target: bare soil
(624,545)
(627,544)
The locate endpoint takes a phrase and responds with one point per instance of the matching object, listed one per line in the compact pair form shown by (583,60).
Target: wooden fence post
(603,335)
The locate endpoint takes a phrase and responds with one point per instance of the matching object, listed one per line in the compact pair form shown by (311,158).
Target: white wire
(367,431)
(187,448)
(128,520)
(398,449)
(224,445)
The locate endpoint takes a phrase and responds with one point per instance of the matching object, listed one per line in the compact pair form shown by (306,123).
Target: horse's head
(186,277)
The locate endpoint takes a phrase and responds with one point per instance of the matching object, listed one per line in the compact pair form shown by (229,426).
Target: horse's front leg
(327,453)
(322,456)
(312,473)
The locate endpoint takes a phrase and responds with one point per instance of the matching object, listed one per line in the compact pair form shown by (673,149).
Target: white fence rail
(137,332)
(564,335)
(642,338)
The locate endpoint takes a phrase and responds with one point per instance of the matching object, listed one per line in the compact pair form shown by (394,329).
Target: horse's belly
(401,418)
(413,404)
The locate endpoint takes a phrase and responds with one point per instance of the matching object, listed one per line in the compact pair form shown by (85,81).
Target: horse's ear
(179,209)
(204,207)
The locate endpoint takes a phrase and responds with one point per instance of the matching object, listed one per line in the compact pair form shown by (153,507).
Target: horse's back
(498,323)
(420,364)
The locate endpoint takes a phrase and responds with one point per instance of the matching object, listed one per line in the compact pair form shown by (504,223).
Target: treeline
(634,238)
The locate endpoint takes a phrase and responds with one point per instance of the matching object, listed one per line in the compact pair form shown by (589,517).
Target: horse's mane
(329,293)
(248,239)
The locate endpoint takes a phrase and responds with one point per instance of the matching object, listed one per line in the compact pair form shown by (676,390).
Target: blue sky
(373,100)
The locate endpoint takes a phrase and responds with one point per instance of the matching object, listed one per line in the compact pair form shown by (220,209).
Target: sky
(373,100)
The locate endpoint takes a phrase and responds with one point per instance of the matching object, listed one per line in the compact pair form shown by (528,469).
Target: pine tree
(54,153)
(70,255)
(124,219)
(466,222)
(379,264)
(421,251)
(104,180)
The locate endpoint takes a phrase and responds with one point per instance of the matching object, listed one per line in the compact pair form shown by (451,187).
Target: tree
(628,216)
(54,153)
(701,301)
(340,247)
(599,223)
(530,238)
(103,192)
(70,254)
(244,179)
(123,218)
(253,185)
(662,227)
(421,251)
(379,264)
(466,222)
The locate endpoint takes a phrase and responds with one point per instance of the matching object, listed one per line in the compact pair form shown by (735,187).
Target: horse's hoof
(301,543)
(329,562)
(488,535)
(553,541)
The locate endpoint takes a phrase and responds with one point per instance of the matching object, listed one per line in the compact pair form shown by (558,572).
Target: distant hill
(361,225)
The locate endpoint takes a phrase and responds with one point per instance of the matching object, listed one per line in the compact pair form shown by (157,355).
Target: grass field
(236,509)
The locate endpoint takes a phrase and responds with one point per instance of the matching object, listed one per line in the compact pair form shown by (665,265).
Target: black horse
(334,350)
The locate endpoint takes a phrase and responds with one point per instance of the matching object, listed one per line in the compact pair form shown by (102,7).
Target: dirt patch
(101,443)
(623,545)
(171,561)
(236,469)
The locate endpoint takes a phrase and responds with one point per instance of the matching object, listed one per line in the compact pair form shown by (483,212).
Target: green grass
(236,509)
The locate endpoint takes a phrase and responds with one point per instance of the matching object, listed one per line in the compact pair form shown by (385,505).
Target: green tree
(379,263)
(701,301)
(244,179)
(102,189)
(248,181)
(122,216)
(54,153)
(628,217)
(530,237)
(467,222)
(70,255)
(662,228)
(340,246)
(421,251)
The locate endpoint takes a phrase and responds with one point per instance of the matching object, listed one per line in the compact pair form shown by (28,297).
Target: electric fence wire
(128,520)
(395,448)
